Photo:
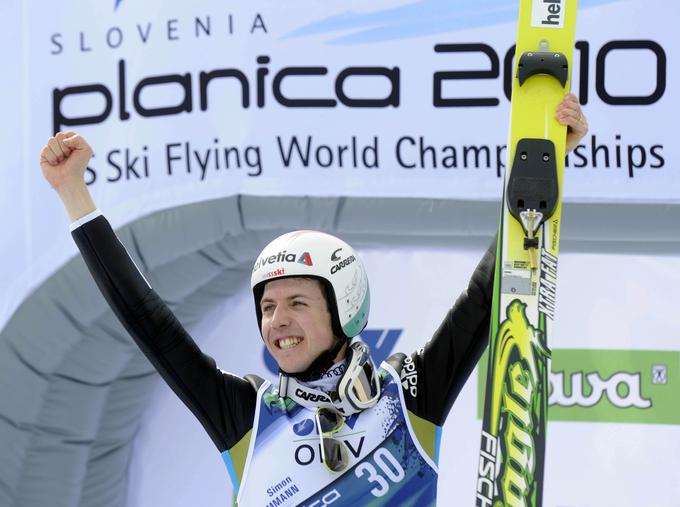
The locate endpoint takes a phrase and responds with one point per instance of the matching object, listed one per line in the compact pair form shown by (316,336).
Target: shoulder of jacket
(396,361)
(254,380)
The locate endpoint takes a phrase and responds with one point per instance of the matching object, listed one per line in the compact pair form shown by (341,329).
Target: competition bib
(387,463)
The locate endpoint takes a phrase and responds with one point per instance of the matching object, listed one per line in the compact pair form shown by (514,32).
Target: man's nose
(281,317)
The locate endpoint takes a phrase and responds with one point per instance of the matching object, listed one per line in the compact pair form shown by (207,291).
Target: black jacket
(225,403)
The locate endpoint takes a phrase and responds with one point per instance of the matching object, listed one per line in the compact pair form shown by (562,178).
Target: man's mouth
(288,342)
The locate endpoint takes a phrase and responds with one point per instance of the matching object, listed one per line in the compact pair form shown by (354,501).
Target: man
(371,438)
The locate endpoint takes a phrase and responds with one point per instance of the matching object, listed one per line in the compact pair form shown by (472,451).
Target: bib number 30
(388,465)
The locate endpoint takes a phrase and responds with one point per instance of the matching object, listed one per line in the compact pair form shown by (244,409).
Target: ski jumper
(270,444)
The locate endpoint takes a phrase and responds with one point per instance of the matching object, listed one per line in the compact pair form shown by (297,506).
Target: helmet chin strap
(320,365)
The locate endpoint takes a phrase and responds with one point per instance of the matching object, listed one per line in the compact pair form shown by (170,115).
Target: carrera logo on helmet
(284,256)
(311,396)
(337,267)
(409,377)
(335,256)
(276,272)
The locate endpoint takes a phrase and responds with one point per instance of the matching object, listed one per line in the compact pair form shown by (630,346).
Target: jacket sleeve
(223,403)
(444,364)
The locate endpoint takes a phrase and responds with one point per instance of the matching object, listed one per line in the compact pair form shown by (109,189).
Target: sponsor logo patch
(311,396)
(276,272)
(284,256)
(409,377)
(342,264)
(304,427)
(547,13)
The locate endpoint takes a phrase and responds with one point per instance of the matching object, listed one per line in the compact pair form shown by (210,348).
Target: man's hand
(63,161)
(568,112)
(64,158)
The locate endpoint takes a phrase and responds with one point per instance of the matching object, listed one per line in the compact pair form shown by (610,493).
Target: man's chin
(293,367)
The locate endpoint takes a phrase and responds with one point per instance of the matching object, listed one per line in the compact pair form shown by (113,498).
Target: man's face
(296,323)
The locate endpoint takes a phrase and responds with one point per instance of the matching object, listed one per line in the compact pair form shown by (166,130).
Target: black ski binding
(532,186)
(543,62)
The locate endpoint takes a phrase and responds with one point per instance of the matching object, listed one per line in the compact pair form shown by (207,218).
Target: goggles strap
(308,397)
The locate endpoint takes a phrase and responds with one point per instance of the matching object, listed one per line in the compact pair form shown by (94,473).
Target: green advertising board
(599,385)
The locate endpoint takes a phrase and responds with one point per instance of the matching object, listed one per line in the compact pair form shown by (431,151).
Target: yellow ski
(512,448)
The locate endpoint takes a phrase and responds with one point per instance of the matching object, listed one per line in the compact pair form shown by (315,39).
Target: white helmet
(322,256)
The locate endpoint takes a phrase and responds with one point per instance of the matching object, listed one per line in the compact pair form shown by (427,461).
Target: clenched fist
(63,161)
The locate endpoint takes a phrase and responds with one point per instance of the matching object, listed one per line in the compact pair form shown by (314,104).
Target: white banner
(185,102)
(606,451)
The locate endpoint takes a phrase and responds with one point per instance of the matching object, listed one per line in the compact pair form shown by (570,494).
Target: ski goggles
(334,452)
(359,385)
(358,388)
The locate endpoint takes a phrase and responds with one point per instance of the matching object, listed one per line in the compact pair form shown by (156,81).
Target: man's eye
(267,308)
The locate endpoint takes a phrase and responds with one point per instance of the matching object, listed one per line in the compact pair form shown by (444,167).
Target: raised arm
(223,403)
(444,364)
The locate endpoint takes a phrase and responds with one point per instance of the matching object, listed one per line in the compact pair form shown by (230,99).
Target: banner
(185,102)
